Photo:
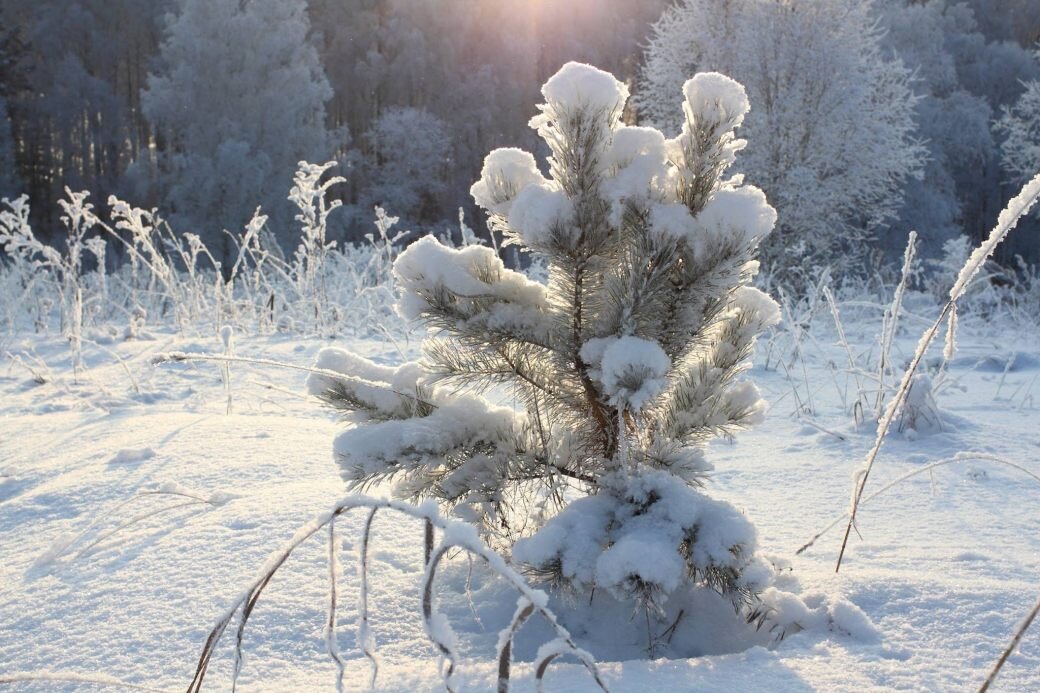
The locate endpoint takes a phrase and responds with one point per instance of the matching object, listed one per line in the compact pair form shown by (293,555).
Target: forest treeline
(202,108)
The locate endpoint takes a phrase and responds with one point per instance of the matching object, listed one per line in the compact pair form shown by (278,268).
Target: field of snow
(134,510)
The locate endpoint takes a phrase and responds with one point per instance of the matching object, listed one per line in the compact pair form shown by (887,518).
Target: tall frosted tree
(621,368)
(238,100)
(77,69)
(831,133)
(406,180)
(965,79)
(1019,125)
(9,184)
(953,123)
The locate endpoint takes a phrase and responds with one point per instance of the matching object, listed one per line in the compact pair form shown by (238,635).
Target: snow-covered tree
(953,122)
(407,164)
(831,132)
(620,369)
(238,101)
(73,74)
(9,186)
(963,77)
(1020,126)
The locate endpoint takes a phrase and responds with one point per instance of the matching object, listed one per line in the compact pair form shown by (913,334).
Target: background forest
(202,108)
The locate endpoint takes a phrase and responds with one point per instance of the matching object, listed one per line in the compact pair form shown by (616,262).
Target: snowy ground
(948,564)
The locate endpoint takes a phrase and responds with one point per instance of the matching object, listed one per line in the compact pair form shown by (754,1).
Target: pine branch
(700,291)
(341,397)
(696,407)
(637,293)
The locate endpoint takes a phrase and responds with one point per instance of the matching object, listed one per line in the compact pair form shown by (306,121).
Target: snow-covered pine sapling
(622,367)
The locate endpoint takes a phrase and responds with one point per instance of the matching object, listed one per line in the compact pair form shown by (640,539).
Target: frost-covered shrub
(174,279)
(574,413)
(920,412)
(33,259)
(238,96)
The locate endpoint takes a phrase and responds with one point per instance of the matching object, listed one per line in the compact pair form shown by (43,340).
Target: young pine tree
(614,375)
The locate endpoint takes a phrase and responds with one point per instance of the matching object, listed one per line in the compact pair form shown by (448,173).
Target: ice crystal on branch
(624,364)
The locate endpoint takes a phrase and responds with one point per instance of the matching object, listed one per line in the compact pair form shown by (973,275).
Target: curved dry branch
(455,535)
(330,625)
(1016,209)
(364,637)
(524,609)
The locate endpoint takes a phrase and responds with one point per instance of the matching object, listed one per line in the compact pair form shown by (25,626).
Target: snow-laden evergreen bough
(615,374)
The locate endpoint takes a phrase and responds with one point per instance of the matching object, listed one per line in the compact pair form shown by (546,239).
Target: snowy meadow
(160,448)
(664,394)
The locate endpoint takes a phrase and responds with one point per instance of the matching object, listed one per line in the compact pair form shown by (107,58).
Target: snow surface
(633,370)
(106,570)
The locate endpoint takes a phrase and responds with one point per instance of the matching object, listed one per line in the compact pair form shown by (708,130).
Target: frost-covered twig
(331,643)
(184,356)
(1016,208)
(1010,648)
(73,678)
(120,360)
(365,639)
(959,457)
(524,609)
(227,336)
(890,323)
(40,376)
(168,490)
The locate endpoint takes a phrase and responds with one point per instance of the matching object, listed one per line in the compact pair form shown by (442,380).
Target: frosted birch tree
(1019,125)
(831,133)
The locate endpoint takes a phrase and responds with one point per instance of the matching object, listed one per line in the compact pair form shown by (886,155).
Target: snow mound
(540,213)
(132,456)
(506,172)
(578,86)
(715,98)
(633,371)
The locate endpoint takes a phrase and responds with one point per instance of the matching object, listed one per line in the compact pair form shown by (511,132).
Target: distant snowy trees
(831,126)
(1020,125)
(407,166)
(239,98)
(962,79)
(75,73)
(72,71)
(625,364)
